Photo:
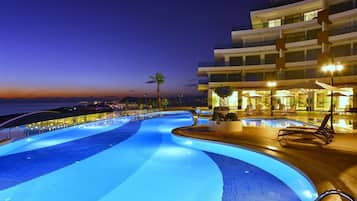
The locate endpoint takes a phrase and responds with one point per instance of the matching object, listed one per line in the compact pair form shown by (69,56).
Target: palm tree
(159,79)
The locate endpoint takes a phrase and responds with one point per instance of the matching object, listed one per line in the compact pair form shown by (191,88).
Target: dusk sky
(110,47)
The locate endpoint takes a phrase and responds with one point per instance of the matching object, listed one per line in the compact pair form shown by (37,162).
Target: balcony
(202,81)
(335,29)
(246,44)
(350,70)
(212,64)
(343,29)
(333,9)
(202,85)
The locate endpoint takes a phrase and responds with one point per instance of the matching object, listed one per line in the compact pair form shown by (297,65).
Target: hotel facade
(288,44)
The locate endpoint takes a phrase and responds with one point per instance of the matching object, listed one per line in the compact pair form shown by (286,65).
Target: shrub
(221,109)
(231,117)
(223,92)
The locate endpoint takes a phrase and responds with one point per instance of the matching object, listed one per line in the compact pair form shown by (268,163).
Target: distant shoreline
(11,108)
(70,109)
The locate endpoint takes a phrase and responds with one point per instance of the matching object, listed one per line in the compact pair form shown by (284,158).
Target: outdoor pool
(274,123)
(136,160)
(266,122)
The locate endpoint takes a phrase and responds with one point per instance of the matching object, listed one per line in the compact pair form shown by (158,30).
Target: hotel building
(288,43)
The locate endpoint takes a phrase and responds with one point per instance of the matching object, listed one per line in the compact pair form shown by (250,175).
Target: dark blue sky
(110,47)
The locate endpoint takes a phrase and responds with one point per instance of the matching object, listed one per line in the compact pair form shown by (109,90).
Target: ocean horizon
(7,108)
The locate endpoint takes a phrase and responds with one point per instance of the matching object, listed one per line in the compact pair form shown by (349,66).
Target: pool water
(266,122)
(274,123)
(141,160)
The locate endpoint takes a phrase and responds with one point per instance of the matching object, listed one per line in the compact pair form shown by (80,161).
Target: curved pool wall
(147,163)
(291,176)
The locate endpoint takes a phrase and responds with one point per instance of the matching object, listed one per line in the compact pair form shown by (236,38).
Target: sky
(79,48)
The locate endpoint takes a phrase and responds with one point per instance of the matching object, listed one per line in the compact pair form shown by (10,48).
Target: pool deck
(332,166)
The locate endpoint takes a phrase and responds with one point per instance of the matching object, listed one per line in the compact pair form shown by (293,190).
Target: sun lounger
(323,132)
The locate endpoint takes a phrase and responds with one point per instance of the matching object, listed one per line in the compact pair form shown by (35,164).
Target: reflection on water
(274,123)
(340,125)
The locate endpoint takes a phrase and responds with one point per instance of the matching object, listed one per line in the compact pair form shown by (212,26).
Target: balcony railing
(333,9)
(283,75)
(211,64)
(202,81)
(343,29)
(294,37)
(290,57)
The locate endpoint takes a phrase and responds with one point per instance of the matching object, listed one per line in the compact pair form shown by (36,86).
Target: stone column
(281,51)
(262,59)
(209,98)
(325,46)
(240,99)
(311,101)
(354,97)
(226,60)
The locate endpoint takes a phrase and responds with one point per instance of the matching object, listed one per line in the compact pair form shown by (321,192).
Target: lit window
(274,23)
(310,15)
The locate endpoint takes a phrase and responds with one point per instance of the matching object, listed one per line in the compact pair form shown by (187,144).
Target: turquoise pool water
(266,122)
(126,159)
(274,123)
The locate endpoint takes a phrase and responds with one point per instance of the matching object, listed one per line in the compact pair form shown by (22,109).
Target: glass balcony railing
(295,37)
(333,9)
(202,81)
(211,64)
(284,75)
(348,28)
(290,57)
(246,44)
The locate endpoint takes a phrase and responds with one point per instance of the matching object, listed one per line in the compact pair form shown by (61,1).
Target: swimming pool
(266,122)
(141,160)
(274,122)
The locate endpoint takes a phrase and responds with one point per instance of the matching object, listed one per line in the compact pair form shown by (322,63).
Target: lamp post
(271,85)
(331,68)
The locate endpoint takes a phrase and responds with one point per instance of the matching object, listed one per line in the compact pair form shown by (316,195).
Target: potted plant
(223,93)
(228,124)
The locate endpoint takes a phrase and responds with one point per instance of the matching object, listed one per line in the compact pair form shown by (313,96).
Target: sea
(9,107)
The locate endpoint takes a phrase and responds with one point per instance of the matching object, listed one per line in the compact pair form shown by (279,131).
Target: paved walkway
(332,166)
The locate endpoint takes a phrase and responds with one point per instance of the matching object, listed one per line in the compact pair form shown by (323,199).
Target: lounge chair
(323,132)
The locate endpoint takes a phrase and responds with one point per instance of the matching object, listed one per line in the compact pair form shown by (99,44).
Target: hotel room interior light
(271,84)
(332,67)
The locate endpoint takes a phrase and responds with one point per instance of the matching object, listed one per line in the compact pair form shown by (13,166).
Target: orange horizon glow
(10,93)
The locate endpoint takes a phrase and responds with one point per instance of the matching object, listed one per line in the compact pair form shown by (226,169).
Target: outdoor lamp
(331,68)
(271,84)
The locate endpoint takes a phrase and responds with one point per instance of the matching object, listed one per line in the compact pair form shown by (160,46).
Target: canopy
(310,84)
(252,95)
(337,94)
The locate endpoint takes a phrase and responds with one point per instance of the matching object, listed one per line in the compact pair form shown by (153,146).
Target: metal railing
(335,192)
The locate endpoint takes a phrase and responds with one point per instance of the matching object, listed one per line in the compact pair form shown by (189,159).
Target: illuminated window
(310,15)
(274,23)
